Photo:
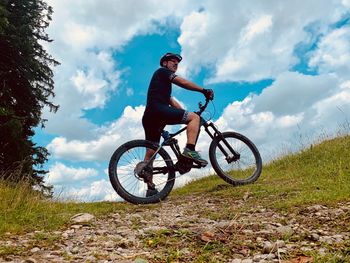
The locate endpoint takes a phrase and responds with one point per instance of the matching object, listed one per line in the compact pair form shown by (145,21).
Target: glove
(208,93)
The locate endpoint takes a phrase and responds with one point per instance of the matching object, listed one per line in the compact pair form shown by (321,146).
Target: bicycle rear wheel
(243,170)
(127,182)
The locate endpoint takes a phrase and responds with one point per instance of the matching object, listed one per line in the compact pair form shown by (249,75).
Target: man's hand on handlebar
(208,93)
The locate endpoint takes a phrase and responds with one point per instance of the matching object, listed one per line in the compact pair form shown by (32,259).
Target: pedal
(201,164)
(183,170)
(183,165)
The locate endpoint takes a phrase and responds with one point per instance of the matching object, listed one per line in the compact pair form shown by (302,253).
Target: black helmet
(168,56)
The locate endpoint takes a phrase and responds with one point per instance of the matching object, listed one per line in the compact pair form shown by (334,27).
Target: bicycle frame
(169,140)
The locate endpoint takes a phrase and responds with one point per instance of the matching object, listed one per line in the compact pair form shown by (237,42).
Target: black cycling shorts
(155,119)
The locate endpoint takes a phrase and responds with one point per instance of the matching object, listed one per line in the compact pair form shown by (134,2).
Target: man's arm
(174,103)
(186,84)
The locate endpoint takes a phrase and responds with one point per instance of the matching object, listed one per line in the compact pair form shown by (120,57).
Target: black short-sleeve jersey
(159,90)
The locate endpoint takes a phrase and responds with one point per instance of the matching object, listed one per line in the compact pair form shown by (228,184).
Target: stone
(76,226)
(207,236)
(90,259)
(269,256)
(82,218)
(280,243)
(285,231)
(248,231)
(257,257)
(315,208)
(326,239)
(315,237)
(35,249)
(29,260)
(260,239)
(75,250)
(223,224)
(101,232)
(268,247)
(322,251)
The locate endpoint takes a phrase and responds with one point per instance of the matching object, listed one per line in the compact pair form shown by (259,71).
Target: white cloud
(78,35)
(87,84)
(345,85)
(294,105)
(86,33)
(61,174)
(333,53)
(346,3)
(100,190)
(193,29)
(255,27)
(108,137)
(293,92)
(84,83)
(251,40)
(333,110)
(290,120)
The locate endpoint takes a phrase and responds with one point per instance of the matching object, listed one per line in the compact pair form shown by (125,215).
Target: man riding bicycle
(163,109)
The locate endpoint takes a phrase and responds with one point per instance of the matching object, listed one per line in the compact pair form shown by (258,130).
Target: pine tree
(26,86)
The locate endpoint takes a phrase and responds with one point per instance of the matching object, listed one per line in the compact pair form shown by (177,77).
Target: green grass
(318,174)
(23,210)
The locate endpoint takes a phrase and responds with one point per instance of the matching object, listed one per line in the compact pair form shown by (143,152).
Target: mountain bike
(233,157)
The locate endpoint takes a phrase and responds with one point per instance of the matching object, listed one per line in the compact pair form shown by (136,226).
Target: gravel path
(194,229)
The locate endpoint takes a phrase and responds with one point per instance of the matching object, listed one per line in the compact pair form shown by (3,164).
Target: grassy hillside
(319,174)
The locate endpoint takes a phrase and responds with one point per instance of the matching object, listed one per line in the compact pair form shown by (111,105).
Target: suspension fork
(218,134)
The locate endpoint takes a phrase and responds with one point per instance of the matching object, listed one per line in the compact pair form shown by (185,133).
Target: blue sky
(279,72)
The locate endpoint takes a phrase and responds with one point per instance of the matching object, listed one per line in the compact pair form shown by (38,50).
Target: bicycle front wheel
(244,169)
(127,182)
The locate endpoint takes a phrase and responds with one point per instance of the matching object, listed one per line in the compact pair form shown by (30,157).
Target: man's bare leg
(192,135)
(192,128)
(149,154)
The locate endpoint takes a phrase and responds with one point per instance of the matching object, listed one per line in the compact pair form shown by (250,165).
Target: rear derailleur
(144,171)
